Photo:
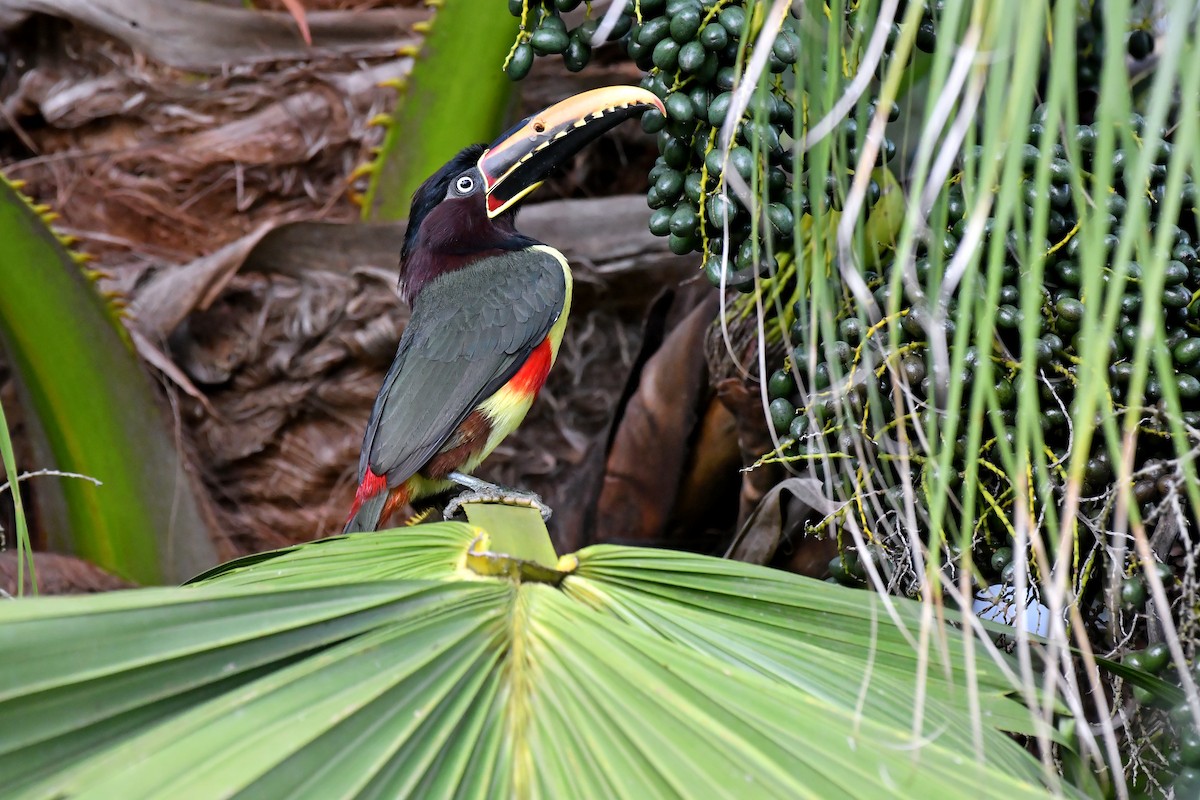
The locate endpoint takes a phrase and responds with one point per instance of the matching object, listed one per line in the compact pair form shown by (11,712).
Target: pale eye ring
(464,184)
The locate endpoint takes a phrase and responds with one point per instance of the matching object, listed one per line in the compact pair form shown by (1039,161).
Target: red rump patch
(371,485)
(533,372)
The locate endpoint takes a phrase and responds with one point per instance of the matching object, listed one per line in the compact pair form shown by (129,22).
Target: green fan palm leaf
(384,665)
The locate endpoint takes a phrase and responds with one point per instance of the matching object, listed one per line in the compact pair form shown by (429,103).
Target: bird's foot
(480,491)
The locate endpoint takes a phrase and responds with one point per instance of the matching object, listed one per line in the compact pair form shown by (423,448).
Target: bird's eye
(465,184)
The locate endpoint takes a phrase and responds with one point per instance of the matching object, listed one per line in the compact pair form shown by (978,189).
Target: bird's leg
(480,491)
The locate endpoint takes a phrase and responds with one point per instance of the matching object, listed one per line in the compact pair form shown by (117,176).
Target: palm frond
(381,665)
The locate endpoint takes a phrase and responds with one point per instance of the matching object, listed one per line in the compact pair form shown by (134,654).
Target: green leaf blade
(320,671)
(96,412)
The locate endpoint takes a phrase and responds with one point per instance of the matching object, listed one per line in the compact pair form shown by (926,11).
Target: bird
(489,309)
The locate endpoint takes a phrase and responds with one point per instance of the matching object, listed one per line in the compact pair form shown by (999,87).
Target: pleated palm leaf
(417,662)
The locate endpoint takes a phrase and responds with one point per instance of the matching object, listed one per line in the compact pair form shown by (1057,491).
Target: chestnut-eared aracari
(489,307)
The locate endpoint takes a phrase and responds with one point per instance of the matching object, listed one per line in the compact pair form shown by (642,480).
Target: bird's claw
(497,494)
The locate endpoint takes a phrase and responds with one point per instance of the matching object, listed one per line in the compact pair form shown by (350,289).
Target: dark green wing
(470,331)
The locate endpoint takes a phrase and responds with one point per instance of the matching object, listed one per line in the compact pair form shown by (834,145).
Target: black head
(467,209)
(434,190)
(449,226)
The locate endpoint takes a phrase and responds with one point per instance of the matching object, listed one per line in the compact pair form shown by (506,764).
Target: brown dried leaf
(59,574)
(647,459)
(753,437)
(708,498)
(207,36)
(780,515)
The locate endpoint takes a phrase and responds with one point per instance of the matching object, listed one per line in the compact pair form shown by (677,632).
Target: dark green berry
(686,24)
(799,426)
(714,36)
(784,49)
(1187,352)
(669,185)
(851,330)
(926,36)
(685,220)
(721,210)
(742,160)
(1189,748)
(733,19)
(1133,592)
(719,109)
(781,220)
(577,55)
(692,57)
(679,107)
(1176,297)
(726,77)
(781,384)
(1008,317)
(660,221)
(1144,697)
(553,23)
(653,31)
(1141,44)
(681,245)
(521,62)
(666,55)
(653,121)
(1069,309)
(549,40)
(1155,657)
(1002,558)
(782,412)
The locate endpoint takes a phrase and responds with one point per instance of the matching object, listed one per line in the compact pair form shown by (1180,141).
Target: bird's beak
(517,163)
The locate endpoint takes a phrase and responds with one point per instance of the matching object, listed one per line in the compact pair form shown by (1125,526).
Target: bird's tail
(367,515)
(373,504)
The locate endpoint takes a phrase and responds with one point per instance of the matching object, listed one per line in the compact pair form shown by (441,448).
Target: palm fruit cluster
(1058,346)
(926,36)
(1089,44)
(816,422)
(544,33)
(692,52)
